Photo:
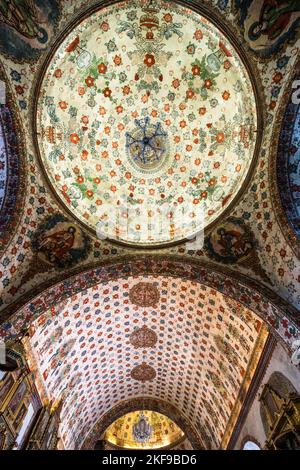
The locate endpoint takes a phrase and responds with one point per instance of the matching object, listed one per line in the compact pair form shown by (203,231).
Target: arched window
(250,445)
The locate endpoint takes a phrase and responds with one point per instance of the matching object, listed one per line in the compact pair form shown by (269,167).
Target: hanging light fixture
(142,430)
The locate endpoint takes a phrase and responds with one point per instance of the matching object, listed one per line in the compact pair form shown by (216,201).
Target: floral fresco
(143,108)
(94,364)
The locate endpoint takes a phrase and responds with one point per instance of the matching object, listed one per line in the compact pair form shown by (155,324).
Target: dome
(146,123)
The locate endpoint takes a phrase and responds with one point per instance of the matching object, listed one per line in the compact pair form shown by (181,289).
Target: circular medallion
(144,294)
(146,122)
(143,338)
(143,372)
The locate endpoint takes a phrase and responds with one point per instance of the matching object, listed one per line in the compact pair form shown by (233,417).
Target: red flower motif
(102,68)
(117,60)
(63,104)
(220,137)
(168,18)
(196,70)
(175,83)
(226,95)
(207,83)
(19,89)
(104,26)
(190,94)
(57,73)
(73,45)
(89,81)
(107,92)
(198,35)
(74,138)
(149,60)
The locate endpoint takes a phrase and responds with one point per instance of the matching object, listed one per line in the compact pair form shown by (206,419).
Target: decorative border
(211,15)
(274,157)
(282,319)
(15,191)
(139,403)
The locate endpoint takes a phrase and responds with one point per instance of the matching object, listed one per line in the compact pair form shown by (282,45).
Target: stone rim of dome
(239,45)
(10,227)
(274,155)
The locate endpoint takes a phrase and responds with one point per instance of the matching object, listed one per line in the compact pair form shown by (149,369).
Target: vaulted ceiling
(85,330)
(156,336)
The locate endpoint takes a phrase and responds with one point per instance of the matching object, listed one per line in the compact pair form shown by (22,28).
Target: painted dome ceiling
(146,122)
(164,431)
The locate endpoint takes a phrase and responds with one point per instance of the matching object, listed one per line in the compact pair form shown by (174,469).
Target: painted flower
(104,26)
(16,76)
(168,18)
(198,34)
(126,90)
(203,194)
(74,138)
(19,89)
(226,95)
(282,61)
(73,45)
(102,68)
(207,83)
(202,111)
(277,77)
(227,64)
(119,109)
(111,46)
(220,137)
(81,90)
(107,92)
(89,81)
(190,94)
(122,77)
(191,49)
(175,83)
(85,119)
(196,70)
(63,104)
(149,60)
(117,60)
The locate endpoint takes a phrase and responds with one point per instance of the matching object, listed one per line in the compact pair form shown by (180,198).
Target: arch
(251,445)
(138,403)
(283,320)
(12,183)
(284,166)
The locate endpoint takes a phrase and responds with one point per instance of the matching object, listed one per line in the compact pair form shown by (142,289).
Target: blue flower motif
(16,76)
(22,104)
(282,61)
(222,4)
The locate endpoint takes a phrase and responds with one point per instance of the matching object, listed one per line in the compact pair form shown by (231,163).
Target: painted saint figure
(274,17)
(22,15)
(57,245)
